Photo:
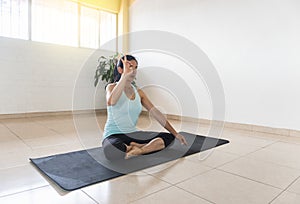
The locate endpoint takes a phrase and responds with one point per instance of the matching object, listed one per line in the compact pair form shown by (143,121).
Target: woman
(124,104)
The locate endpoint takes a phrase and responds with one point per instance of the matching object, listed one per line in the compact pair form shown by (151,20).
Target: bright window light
(63,22)
(89,27)
(14,18)
(55,21)
(108,28)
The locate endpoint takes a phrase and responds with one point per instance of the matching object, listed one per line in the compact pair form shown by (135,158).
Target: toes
(128,148)
(128,156)
(134,151)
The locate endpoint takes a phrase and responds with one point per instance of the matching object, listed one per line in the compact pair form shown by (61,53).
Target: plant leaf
(96,82)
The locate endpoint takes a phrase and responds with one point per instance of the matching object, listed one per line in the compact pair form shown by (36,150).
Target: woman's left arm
(161,118)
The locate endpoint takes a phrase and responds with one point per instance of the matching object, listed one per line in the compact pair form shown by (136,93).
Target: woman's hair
(117,75)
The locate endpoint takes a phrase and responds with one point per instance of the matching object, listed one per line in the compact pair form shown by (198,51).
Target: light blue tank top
(123,116)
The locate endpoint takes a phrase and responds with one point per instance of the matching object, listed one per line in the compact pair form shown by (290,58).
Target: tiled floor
(253,168)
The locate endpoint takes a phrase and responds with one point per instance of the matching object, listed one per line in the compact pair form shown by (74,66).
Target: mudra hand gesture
(129,71)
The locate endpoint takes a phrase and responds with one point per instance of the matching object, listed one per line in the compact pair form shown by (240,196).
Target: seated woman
(124,104)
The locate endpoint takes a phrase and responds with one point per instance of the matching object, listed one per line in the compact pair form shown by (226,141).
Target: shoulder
(110,87)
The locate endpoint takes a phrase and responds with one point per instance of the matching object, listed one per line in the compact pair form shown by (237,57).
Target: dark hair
(117,75)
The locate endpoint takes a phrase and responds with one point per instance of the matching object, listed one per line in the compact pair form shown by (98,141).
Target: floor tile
(240,149)
(57,149)
(29,129)
(295,187)
(6,135)
(250,140)
(14,159)
(47,195)
(177,171)
(261,171)
(256,162)
(46,141)
(125,189)
(56,123)
(171,195)
(18,179)
(212,158)
(13,146)
(221,187)
(285,147)
(287,198)
(279,157)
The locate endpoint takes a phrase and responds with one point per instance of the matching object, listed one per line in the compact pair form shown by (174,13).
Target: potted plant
(105,69)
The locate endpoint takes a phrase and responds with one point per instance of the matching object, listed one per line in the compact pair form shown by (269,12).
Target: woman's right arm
(113,92)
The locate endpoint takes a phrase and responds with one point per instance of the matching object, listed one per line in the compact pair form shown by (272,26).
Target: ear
(120,70)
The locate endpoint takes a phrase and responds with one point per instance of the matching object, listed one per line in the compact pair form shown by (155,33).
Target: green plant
(105,69)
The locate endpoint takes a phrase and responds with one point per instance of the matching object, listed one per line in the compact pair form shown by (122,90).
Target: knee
(114,151)
(161,143)
(167,138)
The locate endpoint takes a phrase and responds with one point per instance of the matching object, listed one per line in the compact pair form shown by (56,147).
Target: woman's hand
(181,139)
(128,70)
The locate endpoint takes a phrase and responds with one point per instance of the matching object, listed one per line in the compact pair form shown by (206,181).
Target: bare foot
(135,151)
(137,144)
(128,148)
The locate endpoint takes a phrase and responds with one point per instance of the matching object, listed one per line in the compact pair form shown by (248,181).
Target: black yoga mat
(78,169)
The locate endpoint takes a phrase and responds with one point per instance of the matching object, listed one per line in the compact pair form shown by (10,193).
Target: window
(96,26)
(108,28)
(63,22)
(14,18)
(89,27)
(55,21)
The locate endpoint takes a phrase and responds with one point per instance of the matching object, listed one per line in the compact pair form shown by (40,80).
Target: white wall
(39,77)
(168,82)
(254,45)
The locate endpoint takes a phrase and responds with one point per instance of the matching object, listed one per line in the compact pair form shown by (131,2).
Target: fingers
(183,142)
(126,63)
(181,138)
(125,59)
